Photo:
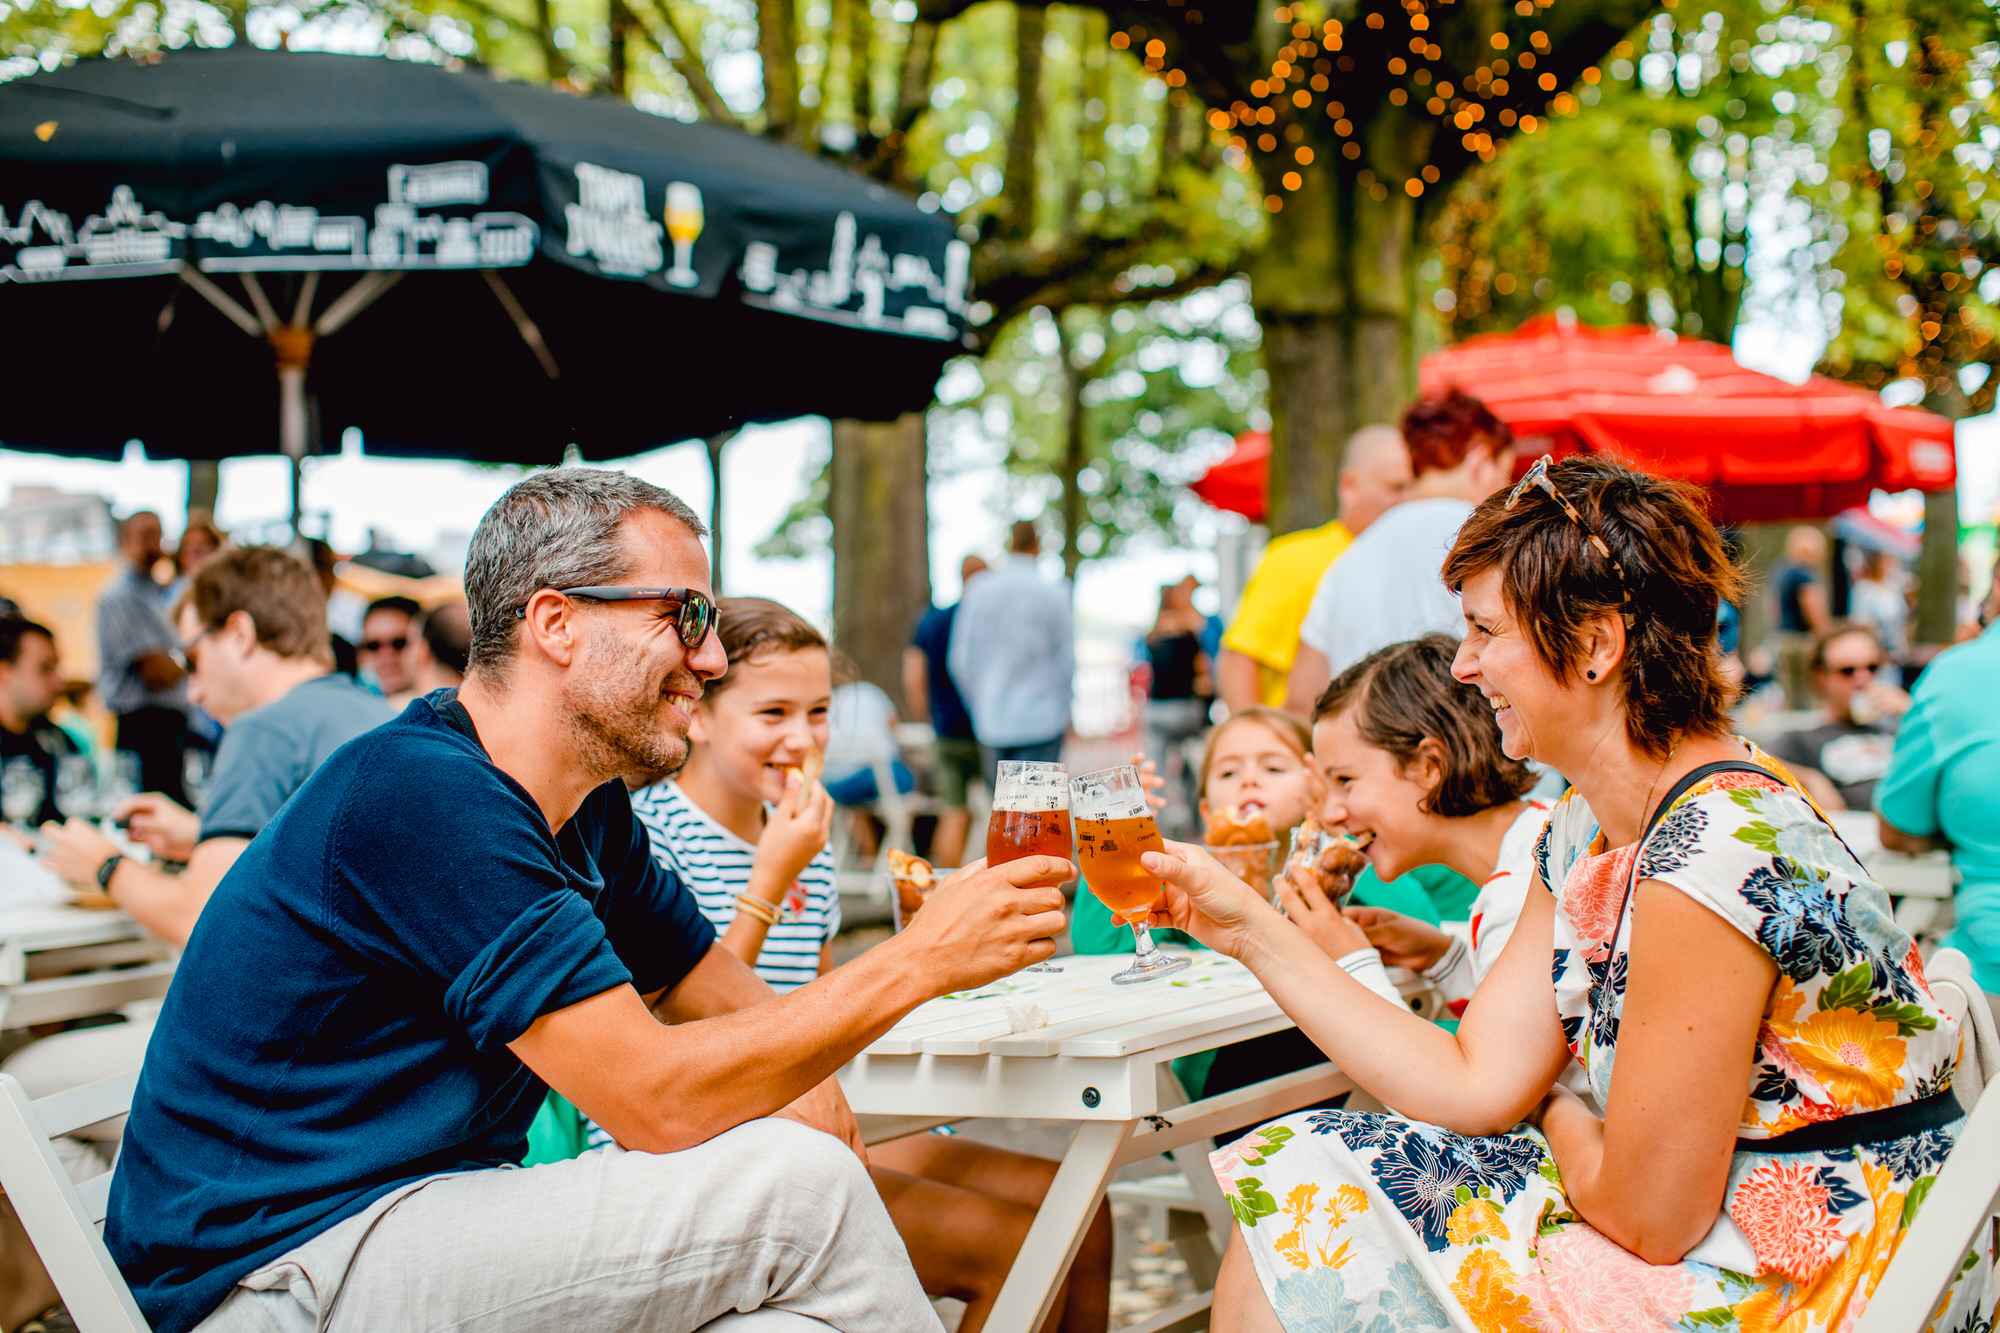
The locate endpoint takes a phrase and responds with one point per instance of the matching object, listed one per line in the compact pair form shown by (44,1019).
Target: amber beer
(1114,828)
(1108,851)
(1013,834)
(1030,818)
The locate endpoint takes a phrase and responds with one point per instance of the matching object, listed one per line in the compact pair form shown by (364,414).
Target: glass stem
(1143,938)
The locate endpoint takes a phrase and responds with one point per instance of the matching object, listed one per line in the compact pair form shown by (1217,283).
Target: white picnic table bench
(1097,1055)
(59,963)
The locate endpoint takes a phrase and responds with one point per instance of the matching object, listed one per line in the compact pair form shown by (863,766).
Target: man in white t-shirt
(1385,587)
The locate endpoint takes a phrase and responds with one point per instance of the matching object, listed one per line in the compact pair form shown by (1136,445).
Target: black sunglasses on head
(693,612)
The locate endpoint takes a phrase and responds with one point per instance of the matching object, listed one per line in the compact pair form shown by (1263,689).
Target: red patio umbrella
(1237,482)
(1764,448)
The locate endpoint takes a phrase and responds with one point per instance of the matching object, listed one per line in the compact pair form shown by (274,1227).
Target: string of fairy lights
(1303,70)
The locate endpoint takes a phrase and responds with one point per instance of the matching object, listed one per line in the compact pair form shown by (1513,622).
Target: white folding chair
(1958,1213)
(61,1218)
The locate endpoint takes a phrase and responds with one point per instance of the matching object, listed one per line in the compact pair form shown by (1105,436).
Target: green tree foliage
(1104,417)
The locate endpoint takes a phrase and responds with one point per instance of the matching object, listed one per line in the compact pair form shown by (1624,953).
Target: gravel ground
(1147,1272)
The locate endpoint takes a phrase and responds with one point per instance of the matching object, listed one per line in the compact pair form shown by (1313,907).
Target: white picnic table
(60,962)
(1099,1057)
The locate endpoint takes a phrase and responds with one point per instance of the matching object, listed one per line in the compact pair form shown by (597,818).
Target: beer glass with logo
(1030,818)
(1114,826)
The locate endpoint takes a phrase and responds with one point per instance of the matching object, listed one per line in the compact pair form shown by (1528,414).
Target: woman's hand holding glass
(1205,900)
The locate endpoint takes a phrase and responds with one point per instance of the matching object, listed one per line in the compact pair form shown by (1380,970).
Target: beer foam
(1031,801)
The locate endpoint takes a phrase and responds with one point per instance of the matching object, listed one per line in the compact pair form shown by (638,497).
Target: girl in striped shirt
(740,825)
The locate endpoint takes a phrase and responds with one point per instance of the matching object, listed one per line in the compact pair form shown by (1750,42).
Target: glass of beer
(1030,818)
(1114,826)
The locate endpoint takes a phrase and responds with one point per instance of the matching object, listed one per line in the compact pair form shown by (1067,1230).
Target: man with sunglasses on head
(458,911)
(253,642)
(1841,759)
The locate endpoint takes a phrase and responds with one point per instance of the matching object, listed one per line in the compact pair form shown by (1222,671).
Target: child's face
(1251,766)
(1368,791)
(771,714)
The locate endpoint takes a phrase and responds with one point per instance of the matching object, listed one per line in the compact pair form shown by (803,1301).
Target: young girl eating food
(744,824)
(1413,767)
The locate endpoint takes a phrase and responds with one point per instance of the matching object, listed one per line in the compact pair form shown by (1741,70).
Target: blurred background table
(60,963)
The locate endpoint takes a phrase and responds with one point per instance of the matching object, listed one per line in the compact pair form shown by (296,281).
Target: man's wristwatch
(108,869)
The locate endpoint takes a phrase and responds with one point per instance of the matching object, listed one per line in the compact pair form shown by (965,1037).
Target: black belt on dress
(1891,1122)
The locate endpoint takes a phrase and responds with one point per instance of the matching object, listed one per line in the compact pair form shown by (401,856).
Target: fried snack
(1233,827)
(1248,861)
(914,880)
(1331,860)
(913,868)
(809,769)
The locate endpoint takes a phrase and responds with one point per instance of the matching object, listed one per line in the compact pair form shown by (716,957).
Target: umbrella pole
(293,345)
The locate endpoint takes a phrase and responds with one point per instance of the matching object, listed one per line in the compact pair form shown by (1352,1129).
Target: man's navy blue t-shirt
(339,1023)
(948,714)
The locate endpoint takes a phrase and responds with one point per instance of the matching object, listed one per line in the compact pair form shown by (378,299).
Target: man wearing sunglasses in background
(459,910)
(1841,759)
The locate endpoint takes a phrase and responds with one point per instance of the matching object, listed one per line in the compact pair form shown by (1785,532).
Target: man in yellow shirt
(1257,652)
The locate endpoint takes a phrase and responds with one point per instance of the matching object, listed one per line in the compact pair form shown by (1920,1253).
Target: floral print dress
(1365,1223)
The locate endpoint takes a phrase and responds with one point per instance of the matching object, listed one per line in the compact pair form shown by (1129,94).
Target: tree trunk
(623,29)
(1021,192)
(554,66)
(1075,443)
(716,444)
(1937,571)
(881,543)
(1936,620)
(204,485)
(1333,292)
(777,24)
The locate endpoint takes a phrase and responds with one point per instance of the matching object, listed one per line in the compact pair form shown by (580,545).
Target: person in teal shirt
(1943,785)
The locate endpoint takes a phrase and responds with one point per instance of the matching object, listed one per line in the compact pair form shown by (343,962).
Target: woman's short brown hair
(1442,431)
(752,625)
(276,590)
(1404,695)
(1555,584)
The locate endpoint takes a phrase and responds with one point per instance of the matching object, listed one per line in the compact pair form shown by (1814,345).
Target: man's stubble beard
(615,706)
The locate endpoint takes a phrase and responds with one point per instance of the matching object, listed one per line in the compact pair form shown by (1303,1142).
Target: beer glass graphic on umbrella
(1030,818)
(684,222)
(1114,826)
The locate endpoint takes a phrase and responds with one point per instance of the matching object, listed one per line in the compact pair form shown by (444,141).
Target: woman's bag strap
(1681,788)
(1891,1122)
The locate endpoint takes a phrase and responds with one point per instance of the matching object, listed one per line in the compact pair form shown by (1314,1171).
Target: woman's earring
(1590,675)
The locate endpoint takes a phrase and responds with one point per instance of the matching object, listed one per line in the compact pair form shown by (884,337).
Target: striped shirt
(130,625)
(715,865)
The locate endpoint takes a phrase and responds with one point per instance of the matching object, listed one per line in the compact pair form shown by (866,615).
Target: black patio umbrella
(457,265)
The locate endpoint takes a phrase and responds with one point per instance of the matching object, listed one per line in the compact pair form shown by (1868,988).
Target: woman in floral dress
(1781,1102)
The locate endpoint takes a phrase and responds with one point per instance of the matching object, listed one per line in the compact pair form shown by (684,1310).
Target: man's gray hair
(555,529)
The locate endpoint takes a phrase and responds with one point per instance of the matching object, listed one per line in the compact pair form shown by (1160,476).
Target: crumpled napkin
(1025,1016)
